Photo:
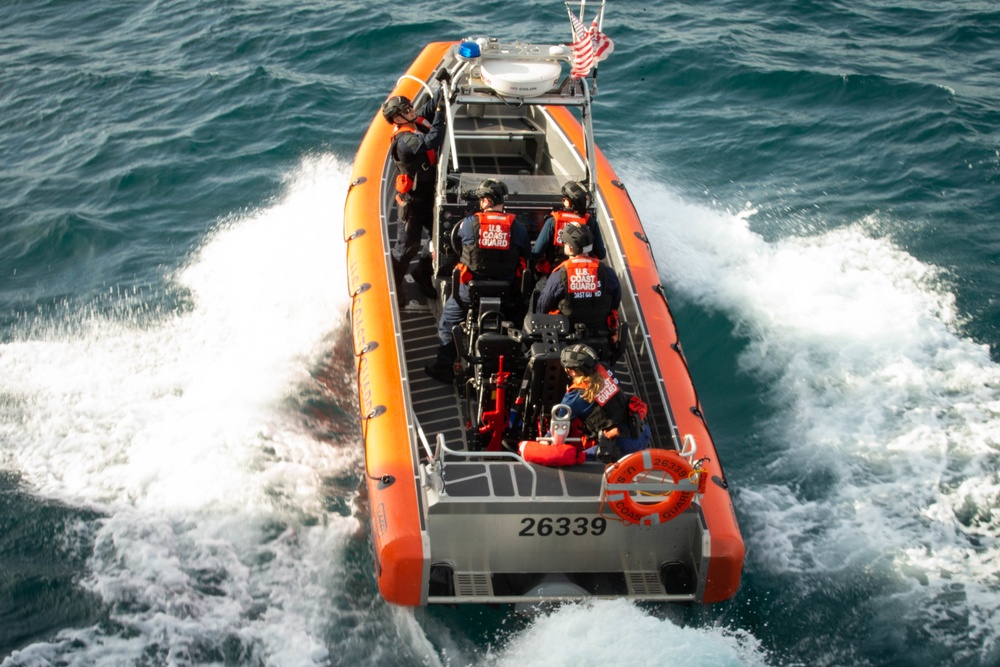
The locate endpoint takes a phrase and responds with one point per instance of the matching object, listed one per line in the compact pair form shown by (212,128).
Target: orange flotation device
(651,466)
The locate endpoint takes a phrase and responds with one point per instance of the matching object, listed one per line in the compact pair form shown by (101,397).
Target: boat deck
(438,409)
(498,480)
(435,405)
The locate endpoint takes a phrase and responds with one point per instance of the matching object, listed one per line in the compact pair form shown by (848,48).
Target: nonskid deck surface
(513,481)
(435,405)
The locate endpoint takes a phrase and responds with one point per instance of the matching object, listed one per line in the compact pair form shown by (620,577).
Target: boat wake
(189,433)
(571,636)
(217,447)
(873,485)
(211,443)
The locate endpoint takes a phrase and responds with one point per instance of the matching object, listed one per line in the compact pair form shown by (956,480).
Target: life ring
(638,467)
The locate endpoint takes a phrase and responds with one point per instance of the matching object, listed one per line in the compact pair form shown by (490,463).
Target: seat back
(538,327)
(490,295)
(544,386)
(490,347)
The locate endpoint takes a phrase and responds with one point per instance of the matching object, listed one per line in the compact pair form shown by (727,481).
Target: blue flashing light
(468,51)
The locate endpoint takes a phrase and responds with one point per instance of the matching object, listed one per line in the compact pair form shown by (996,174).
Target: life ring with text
(652,465)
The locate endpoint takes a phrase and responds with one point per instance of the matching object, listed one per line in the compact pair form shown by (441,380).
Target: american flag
(590,46)
(583,48)
(603,46)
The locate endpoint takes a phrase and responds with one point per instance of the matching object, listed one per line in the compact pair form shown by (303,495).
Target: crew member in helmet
(582,288)
(614,424)
(547,252)
(417,138)
(495,246)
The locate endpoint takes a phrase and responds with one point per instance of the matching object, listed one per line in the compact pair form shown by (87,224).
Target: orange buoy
(650,465)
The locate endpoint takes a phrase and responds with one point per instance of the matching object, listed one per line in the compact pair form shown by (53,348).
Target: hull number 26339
(560,526)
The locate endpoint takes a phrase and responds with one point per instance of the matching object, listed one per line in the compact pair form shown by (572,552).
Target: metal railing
(437,462)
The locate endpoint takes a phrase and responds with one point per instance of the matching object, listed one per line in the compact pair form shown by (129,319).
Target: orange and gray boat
(459,512)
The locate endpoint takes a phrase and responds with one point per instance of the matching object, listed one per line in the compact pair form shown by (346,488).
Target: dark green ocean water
(179,457)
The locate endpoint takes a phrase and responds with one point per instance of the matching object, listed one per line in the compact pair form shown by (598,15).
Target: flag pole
(588,124)
(600,28)
(572,34)
(583,5)
(592,180)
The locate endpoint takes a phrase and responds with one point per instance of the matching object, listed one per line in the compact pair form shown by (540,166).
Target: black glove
(443,75)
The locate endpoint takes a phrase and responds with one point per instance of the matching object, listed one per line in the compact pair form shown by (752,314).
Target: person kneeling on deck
(616,424)
(582,288)
(547,252)
(495,246)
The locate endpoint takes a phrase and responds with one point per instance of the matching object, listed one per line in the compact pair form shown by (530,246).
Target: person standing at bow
(417,137)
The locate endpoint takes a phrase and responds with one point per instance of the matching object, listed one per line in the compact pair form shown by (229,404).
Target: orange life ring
(639,466)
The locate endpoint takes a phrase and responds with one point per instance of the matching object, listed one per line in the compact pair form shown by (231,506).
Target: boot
(398,272)
(422,276)
(443,368)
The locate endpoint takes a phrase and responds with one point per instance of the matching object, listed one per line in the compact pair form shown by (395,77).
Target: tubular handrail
(441,447)
(450,113)
(424,442)
(689,447)
(654,487)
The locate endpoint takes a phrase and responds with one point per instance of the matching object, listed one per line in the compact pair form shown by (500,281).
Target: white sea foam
(215,534)
(886,437)
(213,492)
(618,633)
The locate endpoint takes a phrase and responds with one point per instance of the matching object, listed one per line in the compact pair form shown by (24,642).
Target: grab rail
(424,442)
(441,447)
(653,487)
(447,110)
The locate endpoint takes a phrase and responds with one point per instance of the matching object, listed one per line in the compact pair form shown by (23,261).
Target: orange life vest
(493,255)
(563,218)
(409,172)
(585,301)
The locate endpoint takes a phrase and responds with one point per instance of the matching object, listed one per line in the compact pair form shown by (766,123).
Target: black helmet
(579,237)
(394,106)
(579,357)
(578,196)
(493,190)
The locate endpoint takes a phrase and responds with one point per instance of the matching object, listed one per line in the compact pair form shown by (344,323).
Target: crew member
(417,138)
(547,252)
(614,424)
(495,246)
(582,288)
